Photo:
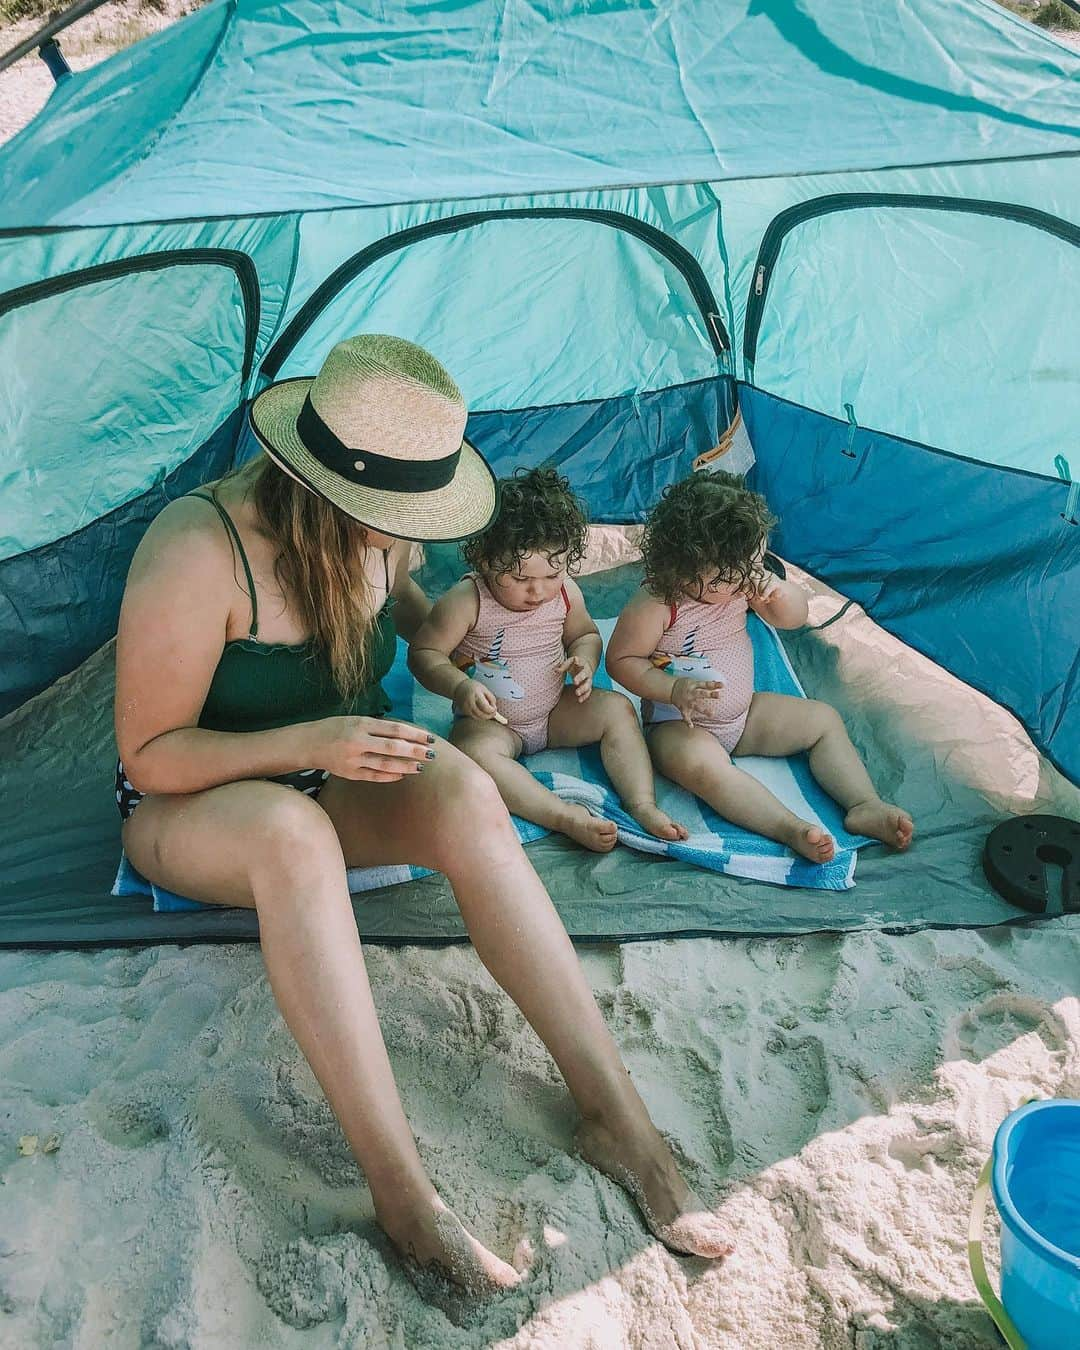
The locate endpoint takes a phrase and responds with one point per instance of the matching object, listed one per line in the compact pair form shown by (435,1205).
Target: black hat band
(366,469)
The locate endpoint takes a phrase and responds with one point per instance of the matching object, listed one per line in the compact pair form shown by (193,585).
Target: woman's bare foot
(656,822)
(588,830)
(639,1160)
(435,1244)
(812,842)
(881,820)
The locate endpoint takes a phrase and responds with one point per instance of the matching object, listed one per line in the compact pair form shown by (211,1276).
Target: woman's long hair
(319,547)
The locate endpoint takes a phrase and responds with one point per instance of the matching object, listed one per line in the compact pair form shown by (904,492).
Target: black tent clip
(1015,857)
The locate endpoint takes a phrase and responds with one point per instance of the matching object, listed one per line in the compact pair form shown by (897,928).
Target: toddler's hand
(768,589)
(475,700)
(581,676)
(692,697)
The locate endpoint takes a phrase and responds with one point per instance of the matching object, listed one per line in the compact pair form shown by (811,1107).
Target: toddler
(683,646)
(501,645)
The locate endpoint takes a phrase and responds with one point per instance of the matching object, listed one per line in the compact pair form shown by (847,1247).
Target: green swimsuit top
(259,685)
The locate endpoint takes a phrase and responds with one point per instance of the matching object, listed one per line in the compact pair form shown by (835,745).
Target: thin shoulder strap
(566,598)
(673,616)
(386,568)
(234,536)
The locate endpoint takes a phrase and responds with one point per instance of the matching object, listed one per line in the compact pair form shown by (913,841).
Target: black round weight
(1017,852)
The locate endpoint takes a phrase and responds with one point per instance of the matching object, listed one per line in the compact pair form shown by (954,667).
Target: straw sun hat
(379,432)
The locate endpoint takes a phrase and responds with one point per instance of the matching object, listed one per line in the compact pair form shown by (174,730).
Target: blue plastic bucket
(1035,1178)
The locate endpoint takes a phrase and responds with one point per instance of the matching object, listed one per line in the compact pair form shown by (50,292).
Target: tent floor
(956,760)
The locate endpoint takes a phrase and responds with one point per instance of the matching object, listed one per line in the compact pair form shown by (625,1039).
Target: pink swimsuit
(711,642)
(516,654)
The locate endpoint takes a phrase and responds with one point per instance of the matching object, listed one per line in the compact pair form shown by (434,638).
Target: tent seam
(24,231)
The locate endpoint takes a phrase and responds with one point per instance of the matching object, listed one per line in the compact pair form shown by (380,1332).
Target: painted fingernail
(419,768)
(431,740)
(431,754)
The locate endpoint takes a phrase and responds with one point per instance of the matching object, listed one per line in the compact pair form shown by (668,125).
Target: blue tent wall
(623,377)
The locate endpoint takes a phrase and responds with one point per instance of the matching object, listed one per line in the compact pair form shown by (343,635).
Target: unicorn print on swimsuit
(687,661)
(494,673)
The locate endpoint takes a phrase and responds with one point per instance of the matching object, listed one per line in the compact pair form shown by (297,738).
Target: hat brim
(462,508)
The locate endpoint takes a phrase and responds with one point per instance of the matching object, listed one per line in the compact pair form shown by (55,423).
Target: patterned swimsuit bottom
(308,781)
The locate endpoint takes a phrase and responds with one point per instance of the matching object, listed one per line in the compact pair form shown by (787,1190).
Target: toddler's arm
(582,641)
(781,603)
(441,633)
(629,656)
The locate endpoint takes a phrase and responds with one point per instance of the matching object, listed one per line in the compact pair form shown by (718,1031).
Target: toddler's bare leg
(781,725)
(697,761)
(496,749)
(609,718)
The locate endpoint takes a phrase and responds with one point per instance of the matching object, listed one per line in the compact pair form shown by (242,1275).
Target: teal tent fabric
(605,219)
(252,106)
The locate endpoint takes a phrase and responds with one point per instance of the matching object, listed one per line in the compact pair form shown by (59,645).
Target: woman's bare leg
(781,725)
(609,717)
(259,844)
(453,820)
(496,748)
(695,759)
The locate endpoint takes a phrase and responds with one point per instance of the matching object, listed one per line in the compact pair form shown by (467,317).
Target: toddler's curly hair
(707,523)
(537,514)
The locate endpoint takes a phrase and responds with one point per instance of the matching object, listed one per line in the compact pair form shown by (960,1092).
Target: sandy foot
(881,820)
(439,1250)
(672,1212)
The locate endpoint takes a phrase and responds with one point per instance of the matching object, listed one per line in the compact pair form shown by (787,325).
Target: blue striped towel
(577,776)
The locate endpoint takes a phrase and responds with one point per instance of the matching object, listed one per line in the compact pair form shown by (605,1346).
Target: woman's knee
(467,812)
(291,836)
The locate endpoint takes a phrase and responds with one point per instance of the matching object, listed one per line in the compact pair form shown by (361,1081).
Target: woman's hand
(692,696)
(368,749)
(472,699)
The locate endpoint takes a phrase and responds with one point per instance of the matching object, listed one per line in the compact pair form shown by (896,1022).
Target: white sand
(835,1097)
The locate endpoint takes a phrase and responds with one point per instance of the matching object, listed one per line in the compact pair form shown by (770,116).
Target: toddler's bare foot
(588,830)
(881,820)
(656,822)
(639,1160)
(812,842)
(436,1245)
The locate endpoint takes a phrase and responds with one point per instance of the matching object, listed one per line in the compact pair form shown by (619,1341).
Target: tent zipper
(680,258)
(786,221)
(238,263)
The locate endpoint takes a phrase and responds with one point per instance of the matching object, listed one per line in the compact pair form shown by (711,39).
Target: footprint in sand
(681,1085)
(130,1119)
(998,1022)
(794,1075)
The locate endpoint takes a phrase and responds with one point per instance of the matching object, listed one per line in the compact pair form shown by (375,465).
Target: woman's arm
(173,625)
(411,604)
(441,633)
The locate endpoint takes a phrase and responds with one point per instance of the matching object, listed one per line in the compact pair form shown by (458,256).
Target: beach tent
(625,226)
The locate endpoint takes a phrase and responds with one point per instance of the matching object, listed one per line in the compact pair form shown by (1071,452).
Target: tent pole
(50,53)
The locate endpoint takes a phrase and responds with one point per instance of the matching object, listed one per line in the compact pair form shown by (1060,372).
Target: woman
(255,628)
